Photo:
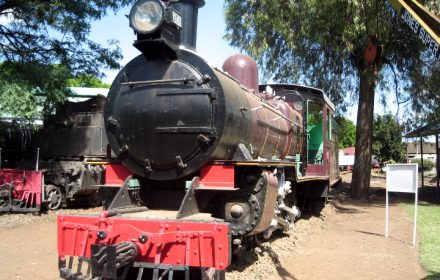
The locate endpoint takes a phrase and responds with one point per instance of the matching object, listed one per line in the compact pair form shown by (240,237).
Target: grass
(428,225)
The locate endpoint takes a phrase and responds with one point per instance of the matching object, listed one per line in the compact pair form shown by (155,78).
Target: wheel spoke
(55,197)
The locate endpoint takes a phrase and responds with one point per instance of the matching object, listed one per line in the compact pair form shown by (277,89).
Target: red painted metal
(116,173)
(272,132)
(170,242)
(25,187)
(217,176)
(243,68)
(315,170)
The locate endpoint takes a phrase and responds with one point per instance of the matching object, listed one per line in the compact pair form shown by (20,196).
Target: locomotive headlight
(146,16)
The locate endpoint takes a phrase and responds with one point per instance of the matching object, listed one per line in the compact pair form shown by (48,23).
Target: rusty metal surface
(243,68)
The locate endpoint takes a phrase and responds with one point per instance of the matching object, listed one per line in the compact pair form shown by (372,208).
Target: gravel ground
(8,221)
(264,261)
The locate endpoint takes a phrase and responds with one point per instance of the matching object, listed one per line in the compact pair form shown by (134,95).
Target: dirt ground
(352,246)
(346,242)
(28,245)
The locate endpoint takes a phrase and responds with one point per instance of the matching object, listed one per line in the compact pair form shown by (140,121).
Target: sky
(210,43)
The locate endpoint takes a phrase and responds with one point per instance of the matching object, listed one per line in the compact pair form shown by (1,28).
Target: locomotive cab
(315,130)
(318,127)
(320,136)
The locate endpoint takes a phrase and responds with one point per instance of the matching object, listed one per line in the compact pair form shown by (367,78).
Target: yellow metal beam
(423,22)
(397,6)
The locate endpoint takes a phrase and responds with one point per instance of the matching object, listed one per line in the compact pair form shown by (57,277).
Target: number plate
(177,19)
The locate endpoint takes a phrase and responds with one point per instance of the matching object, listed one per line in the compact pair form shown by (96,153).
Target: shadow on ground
(432,276)
(343,203)
(249,257)
(428,195)
(282,272)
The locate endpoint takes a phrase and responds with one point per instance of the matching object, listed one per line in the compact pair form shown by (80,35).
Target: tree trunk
(360,183)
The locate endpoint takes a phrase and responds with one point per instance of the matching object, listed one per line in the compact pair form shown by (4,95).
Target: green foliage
(426,97)
(427,164)
(87,81)
(55,32)
(24,87)
(43,44)
(346,132)
(428,223)
(321,43)
(17,100)
(387,139)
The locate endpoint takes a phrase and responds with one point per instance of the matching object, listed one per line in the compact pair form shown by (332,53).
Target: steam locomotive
(62,162)
(217,160)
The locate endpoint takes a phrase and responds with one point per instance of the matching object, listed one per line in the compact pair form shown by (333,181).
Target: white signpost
(402,178)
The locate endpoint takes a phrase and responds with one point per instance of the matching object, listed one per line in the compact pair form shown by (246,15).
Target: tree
(22,84)
(346,132)
(387,139)
(55,32)
(333,45)
(426,97)
(37,37)
(84,80)
(428,165)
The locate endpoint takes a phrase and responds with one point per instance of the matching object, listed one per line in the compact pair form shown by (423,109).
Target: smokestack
(188,9)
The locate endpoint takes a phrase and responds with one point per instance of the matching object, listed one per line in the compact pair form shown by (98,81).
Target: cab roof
(301,89)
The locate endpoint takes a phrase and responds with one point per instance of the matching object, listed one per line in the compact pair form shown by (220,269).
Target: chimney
(188,9)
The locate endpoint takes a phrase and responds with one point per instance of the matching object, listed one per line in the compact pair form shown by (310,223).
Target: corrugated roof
(432,128)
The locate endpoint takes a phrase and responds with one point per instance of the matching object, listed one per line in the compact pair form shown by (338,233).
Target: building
(430,129)
(346,159)
(413,151)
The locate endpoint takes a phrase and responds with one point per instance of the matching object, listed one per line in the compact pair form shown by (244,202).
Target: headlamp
(146,16)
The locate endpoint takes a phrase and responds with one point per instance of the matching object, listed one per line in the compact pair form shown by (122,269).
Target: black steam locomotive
(218,161)
(62,162)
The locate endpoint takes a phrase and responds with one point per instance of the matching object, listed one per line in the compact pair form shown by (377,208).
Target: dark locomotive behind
(64,161)
(218,161)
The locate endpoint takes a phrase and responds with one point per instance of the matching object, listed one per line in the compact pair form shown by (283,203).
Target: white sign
(177,19)
(426,38)
(402,178)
